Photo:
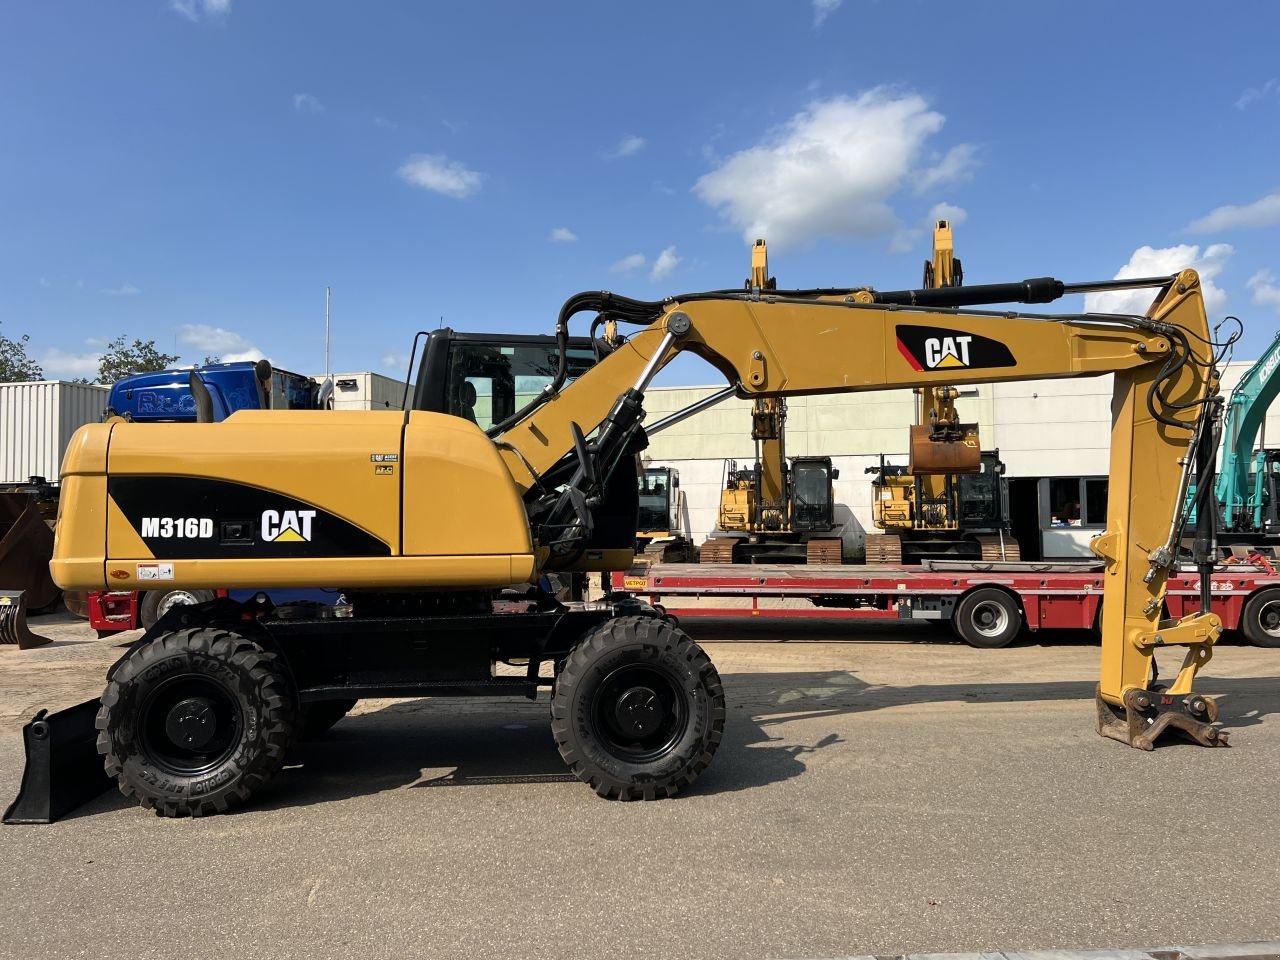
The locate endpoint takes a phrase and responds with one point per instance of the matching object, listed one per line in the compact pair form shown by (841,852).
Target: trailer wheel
(195,721)
(638,709)
(316,718)
(156,603)
(987,618)
(1260,622)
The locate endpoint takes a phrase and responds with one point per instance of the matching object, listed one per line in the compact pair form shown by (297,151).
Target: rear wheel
(1260,622)
(156,603)
(195,721)
(638,709)
(987,618)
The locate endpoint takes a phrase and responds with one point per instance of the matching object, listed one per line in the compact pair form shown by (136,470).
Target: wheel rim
(990,618)
(174,598)
(190,724)
(639,713)
(1269,618)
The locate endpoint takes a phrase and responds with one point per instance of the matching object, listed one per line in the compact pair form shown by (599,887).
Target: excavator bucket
(13,621)
(945,456)
(26,547)
(63,769)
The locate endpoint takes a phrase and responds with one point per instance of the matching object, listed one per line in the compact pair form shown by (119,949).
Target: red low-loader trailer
(987,605)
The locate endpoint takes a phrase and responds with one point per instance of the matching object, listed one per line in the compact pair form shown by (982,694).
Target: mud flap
(63,769)
(13,621)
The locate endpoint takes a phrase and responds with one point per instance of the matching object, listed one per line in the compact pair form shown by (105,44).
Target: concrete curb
(1263,950)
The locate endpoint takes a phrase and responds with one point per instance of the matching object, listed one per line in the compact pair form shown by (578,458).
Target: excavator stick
(13,621)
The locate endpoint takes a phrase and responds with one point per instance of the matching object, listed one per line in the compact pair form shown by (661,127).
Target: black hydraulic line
(1037,290)
(1204,548)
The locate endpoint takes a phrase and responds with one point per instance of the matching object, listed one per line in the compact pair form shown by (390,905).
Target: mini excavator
(421,516)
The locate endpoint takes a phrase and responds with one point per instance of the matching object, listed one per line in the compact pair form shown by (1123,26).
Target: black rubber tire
(987,618)
(642,646)
(317,718)
(153,600)
(1260,621)
(250,684)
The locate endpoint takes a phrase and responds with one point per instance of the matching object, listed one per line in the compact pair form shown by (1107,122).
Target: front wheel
(195,721)
(1260,622)
(987,618)
(638,709)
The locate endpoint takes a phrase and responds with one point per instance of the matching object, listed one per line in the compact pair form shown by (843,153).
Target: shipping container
(37,419)
(366,391)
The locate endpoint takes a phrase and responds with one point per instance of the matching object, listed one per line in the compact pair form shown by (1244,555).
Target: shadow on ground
(439,744)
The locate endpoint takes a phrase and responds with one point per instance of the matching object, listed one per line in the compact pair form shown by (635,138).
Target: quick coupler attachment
(63,769)
(1147,715)
(13,621)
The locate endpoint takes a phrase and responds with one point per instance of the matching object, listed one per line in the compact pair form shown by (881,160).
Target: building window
(1077,501)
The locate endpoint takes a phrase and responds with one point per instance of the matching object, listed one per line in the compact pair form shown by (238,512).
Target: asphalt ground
(877,792)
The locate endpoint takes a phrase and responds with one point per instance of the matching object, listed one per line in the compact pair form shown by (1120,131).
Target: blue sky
(197,171)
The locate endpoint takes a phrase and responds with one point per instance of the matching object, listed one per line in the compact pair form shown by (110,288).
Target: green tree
(15,365)
(121,359)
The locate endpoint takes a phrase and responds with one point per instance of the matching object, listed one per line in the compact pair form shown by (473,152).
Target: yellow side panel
(460,498)
(323,457)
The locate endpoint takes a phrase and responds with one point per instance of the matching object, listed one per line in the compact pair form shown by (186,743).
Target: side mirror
(835,473)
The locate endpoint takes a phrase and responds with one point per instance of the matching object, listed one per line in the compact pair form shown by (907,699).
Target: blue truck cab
(164,396)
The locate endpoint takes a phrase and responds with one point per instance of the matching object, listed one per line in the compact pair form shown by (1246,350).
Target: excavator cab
(983,496)
(658,486)
(812,500)
(486,377)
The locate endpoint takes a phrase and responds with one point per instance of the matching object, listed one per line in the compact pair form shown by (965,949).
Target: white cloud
(562,235)
(832,168)
(217,341)
(948,211)
(1164,262)
(306,103)
(954,165)
(626,147)
(439,174)
(1260,213)
(396,360)
(195,10)
(628,264)
(127,290)
(61,364)
(1265,291)
(385,124)
(1254,94)
(664,264)
(44,282)
(823,9)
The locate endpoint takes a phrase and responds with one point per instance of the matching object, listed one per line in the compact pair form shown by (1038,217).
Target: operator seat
(467,401)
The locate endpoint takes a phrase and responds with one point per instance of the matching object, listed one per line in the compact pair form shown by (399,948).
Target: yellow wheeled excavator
(779,510)
(420,516)
(950,501)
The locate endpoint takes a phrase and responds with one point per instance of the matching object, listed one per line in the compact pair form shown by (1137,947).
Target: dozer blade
(63,769)
(944,456)
(13,621)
